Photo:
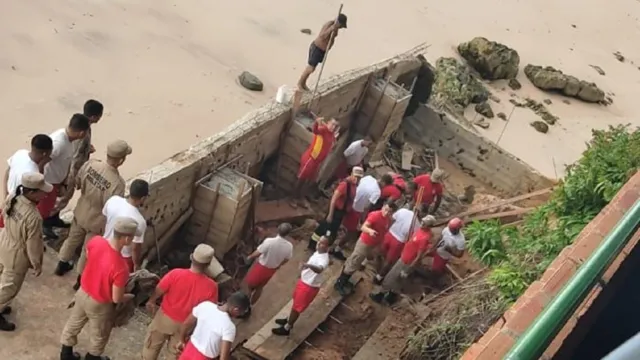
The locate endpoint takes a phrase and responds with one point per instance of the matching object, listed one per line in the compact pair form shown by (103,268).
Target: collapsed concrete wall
(473,153)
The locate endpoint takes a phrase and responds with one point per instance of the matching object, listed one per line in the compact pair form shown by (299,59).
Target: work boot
(76,286)
(282,322)
(62,268)
(66,353)
(7,310)
(6,325)
(49,233)
(377,297)
(391,298)
(281,331)
(343,285)
(96,357)
(338,254)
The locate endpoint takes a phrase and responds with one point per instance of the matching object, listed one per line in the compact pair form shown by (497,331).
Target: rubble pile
(456,86)
(491,59)
(538,108)
(550,79)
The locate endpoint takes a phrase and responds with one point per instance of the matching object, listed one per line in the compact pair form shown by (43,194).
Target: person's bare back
(324,40)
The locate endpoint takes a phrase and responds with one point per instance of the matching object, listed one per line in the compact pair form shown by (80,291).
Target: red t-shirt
(418,243)
(390,192)
(398,181)
(430,189)
(105,267)
(183,290)
(342,190)
(378,222)
(322,142)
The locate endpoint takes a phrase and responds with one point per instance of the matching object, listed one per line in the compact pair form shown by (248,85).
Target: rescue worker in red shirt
(181,290)
(412,254)
(392,186)
(102,284)
(341,203)
(433,189)
(375,226)
(323,139)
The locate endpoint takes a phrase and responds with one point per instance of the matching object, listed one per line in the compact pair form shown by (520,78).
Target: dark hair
(391,204)
(386,179)
(412,185)
(20,190)
(139,189)
(41,142)
(423,210)
(93,108)
(284,229)
(240,300)
(79,122)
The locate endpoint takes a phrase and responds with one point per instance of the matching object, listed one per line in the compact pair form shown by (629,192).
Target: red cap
(455,223)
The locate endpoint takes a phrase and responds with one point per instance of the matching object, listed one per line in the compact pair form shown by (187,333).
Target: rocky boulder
(250,81)
(491,59)
(456,86)
(551,79)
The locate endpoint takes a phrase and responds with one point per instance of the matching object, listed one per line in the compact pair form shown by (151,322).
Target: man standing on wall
(98,181)
(56,171)
(323,139)
(320,46)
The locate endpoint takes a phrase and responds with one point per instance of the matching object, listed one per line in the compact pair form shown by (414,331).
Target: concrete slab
(40,313)
(280,210)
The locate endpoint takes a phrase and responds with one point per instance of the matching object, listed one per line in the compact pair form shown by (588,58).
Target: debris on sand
(484,109)
(306,31)
(538,108)
(548,78)
(491,59)
(481,123)
(514,84)
(598,69)
(455,85)
(502,116)
(541,126)
(619,56)
(566,101)
(250,81)
(547,101)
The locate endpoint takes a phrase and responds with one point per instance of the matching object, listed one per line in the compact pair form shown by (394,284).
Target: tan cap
(357,171)
(34,180)
(118,149)
(437,175)
(126,226)
(429,220)
(203,254)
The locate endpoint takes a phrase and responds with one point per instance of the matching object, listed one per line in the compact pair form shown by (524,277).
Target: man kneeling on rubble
(412,254)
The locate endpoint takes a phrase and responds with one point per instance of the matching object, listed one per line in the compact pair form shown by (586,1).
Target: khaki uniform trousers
(161,330)
(361,252)
(77,237)
(11,280)
(98,316)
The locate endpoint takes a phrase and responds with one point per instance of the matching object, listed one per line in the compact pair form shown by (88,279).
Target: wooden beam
(500,215)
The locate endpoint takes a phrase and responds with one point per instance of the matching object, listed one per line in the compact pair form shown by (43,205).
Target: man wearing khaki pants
(102,285)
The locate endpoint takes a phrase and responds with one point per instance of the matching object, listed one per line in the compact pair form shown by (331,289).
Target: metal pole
(532,344)
(324,61)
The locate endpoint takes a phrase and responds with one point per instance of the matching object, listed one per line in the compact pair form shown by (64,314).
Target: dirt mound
(491,59)
(548,78)
(455,85)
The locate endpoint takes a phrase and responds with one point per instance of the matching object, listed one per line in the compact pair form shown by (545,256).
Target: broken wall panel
(473,153)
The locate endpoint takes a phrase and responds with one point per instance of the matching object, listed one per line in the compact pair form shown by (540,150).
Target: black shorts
(323,226)
(316,55)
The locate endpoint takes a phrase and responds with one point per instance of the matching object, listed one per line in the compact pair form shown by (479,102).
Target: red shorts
(439,264)
(308,168)
(351,220)
(129,261)
(391,248)
(258,275)
(303,295)
(191,353)
(46,205)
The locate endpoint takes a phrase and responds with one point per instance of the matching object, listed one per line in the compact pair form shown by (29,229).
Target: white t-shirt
(450,240)
(355,153)
(116,207)
(367,192)
(57,169)
(310,277)
(19,164)
(402,224)
(274,251)
(213,327)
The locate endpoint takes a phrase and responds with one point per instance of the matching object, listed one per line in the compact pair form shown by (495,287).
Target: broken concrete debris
(484,109)
(306,31)
(491,59)
(619,56)
(566,101)
(547,101)
(455,85)
(502,116)
(515,84)
(538,108)
(548,78)
(598,69)
(541,126)
(481,123)
(250,81)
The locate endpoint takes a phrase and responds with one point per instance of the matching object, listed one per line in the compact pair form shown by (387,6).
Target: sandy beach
(166,70)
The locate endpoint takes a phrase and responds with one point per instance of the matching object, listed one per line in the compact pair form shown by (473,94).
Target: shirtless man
(319,47)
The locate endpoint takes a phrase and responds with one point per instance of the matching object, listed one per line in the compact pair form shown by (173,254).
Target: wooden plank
(497,204)
(407,156)
(273,347)
(500,215)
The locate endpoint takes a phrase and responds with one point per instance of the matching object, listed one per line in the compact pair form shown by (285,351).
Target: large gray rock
(250,81)
(550,79)
(491,59)
(456,86)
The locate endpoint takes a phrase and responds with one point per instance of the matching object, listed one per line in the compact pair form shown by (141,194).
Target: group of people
(107,230)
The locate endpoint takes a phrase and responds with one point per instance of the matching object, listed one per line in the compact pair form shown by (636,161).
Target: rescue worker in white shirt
(92,109)
(211,328)
(98,181)
(21,246)
(57,170)
(354,155)
(451,244)
(272,254)
(24,161)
